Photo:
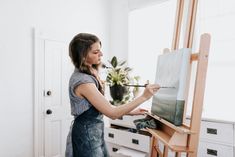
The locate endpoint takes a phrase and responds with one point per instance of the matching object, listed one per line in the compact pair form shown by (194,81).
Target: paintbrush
(132,85)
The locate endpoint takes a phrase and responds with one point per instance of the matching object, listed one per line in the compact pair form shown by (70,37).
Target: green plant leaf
(127,69)
(114,62)
(122,63)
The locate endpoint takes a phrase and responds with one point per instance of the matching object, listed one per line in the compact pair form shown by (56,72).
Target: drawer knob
(212,152)
(135,141)
(115,149)
(212,131)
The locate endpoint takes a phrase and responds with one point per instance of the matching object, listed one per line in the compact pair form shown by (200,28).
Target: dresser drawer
(128,139)
(120,151)
(126,121)
(207,149)
(217,132)
(113,148)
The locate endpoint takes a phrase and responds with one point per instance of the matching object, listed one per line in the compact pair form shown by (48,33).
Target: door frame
(39,35)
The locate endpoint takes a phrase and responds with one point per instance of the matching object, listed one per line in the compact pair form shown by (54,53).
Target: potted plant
(117,78)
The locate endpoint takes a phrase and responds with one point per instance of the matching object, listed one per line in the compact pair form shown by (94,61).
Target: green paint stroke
(170,110)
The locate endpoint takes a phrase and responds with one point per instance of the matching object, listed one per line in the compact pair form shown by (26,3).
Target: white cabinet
(217,138)
(123,140)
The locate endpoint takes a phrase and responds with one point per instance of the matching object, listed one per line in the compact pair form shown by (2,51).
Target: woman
(88,104)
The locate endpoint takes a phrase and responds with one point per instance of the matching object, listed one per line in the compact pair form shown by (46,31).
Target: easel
(186,137)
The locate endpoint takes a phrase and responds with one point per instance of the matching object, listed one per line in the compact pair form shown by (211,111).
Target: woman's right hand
(150,90)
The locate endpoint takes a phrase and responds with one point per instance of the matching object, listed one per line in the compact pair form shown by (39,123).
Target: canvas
(172,72)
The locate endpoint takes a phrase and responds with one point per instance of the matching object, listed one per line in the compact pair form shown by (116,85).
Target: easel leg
(154,144)
(177,154)
(165,151)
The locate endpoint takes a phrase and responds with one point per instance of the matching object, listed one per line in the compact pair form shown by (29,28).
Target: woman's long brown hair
(78,50)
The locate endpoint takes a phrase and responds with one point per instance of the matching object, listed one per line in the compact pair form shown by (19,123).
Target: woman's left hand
(138,111)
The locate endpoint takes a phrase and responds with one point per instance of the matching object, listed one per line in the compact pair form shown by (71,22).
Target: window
(150,31)
(215,17)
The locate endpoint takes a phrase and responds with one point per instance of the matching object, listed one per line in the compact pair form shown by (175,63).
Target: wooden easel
(186,137)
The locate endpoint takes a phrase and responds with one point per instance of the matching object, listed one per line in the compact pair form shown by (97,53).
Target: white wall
(136,4)
(119,25)
(17,20)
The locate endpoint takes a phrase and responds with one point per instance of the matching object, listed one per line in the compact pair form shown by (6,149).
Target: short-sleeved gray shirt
(78,104)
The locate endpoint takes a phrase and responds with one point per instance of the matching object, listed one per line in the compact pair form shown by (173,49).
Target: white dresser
(217,138)
(123,141)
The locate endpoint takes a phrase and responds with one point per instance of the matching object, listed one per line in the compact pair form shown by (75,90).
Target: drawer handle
(111,135)
(115,149)
(212,152)
(135,141)
(212,131)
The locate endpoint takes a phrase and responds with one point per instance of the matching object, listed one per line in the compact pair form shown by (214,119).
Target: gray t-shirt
(78,104)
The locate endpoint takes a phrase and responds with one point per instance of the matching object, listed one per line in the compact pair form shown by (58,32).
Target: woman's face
(94,55)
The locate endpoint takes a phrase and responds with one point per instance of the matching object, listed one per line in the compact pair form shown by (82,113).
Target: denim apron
(87,135)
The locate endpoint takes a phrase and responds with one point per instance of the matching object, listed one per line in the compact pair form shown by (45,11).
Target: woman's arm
(138,111)
(92,94)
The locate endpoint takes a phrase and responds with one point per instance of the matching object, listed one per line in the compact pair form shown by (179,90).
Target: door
(54,116)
